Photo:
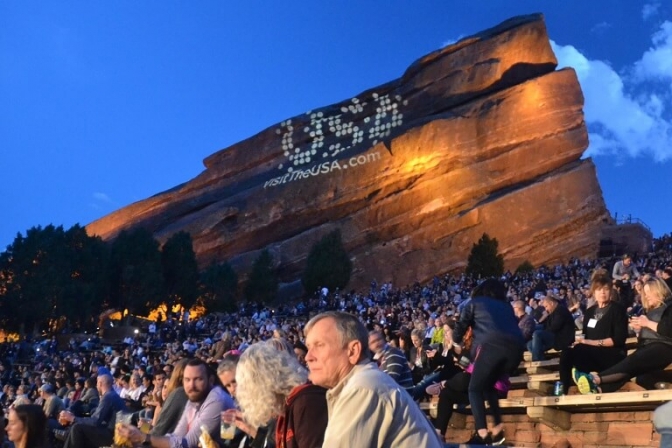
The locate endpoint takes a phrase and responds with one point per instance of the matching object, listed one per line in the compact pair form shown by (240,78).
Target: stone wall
(589,430)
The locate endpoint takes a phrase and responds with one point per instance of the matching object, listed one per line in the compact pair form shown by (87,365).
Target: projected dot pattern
(344,130)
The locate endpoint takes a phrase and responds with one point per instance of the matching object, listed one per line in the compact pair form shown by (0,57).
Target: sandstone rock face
(481,136)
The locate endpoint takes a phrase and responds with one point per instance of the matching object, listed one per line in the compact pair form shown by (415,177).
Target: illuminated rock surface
(481,136)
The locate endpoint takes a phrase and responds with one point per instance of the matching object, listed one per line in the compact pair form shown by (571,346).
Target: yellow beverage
(227,431)
(145,426)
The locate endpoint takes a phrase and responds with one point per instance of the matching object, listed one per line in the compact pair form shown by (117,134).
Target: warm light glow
(195,311)
(418,164)
(8,337)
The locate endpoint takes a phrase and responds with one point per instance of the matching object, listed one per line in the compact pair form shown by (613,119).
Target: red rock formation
(480,136)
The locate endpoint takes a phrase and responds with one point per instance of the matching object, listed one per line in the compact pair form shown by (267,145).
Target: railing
(628,219)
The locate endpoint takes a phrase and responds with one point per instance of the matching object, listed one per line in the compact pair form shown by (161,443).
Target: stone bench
(630,343)
(555,411)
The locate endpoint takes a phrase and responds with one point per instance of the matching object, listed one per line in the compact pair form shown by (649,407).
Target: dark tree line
(51,278)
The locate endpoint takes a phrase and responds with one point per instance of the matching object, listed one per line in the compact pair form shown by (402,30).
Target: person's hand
(66,417)
(639,322)
(131,433)
(431,353)
(239,421)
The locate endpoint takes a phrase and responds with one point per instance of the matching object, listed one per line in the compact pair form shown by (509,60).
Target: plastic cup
(227,430)
(145,425)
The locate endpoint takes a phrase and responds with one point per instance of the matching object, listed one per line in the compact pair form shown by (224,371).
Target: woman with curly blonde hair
(272,384)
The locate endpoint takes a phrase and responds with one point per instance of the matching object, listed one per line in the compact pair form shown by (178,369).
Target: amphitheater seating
(531,399)
(554,411)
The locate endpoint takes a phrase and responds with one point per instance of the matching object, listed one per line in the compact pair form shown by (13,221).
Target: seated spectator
(63,386)
(453,384)
(166,419)
(557,332)
(88,400)
(52,405)
(654,350)
(437,334)
(272,384)
(226,371)
(525,321)
(537,311)
(418,361)
(605,329)
(624,269)
(637,306)
(574,307)
(206,403)
(300,351)
(366,406)
(667,276)
(21,396)
(152,397)
(391,360)
(97,430)
(79,389)
(26,426)
(133,395)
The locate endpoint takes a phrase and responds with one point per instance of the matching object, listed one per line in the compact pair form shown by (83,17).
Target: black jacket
(561,323)
(492,321)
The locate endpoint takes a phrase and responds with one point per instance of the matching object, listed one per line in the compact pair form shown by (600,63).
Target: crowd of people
(346,368)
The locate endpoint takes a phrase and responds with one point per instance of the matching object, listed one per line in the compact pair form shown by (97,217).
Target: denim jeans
(542,340)
(662,421)
(427,380)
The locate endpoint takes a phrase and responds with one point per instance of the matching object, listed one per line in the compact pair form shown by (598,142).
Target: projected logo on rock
(362,121)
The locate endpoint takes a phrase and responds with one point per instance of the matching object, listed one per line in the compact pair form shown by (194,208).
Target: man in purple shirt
(204,408)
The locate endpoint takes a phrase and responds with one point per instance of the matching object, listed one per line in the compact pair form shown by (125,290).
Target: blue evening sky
(106,103)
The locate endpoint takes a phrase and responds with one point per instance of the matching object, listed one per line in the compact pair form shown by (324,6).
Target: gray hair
(228,364)
(265,378)
(518,304)
(348,326)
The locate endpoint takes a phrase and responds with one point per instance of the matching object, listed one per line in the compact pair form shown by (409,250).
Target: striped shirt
(394,363)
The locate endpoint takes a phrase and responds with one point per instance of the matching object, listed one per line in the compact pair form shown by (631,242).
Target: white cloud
(620,122)
(656,62)
(649,10)
(102,197)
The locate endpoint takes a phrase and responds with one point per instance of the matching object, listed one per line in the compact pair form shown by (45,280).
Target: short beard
(200,397)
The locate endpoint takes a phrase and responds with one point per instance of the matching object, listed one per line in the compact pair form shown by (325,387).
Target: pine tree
(484,260)
(219,287)
(262,285)
(180,271)
(328,264)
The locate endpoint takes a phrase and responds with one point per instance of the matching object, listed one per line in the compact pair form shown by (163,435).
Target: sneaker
(478,440)
(584,382)
(497,439)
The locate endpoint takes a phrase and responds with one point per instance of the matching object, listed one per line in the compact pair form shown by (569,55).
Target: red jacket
(305,418)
